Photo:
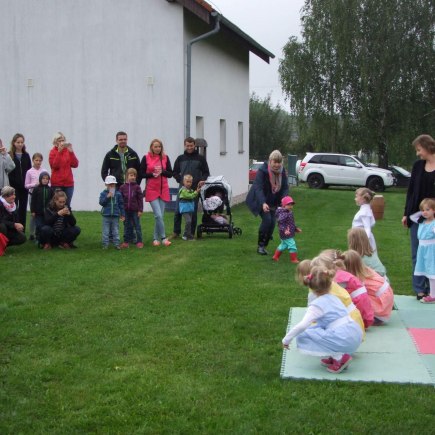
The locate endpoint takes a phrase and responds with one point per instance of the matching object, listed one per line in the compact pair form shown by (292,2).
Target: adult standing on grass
(119,159)
(9,225)
(62,159)
(193,163)
(17,177)
(156,168)
(269,188)
(6,166)
(421,185)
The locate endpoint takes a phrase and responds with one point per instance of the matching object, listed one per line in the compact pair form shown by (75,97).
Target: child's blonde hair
(303,269)
(319,280)
(358,240)
(427,202)
(330,258)
(355,265)
(187,177)
(131,171)
(366,194)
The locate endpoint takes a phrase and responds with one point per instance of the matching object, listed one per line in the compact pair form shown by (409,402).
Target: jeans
(132,228)
(68,235)
(420,284)
(110,227)
(158,206)
(267,224)
(188,225)
(68,190)
(177,218)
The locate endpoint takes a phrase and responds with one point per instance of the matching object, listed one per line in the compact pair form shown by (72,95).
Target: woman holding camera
(62,159)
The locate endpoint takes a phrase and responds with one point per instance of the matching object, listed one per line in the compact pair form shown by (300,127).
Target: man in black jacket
(190,162)
(119,159)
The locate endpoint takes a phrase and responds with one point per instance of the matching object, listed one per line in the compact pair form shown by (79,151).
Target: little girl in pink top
(333,259)
(378,288)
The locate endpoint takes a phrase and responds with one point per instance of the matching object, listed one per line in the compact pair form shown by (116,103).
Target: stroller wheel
(237,231)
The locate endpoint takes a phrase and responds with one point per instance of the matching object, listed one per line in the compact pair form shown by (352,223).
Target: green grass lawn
(185,339)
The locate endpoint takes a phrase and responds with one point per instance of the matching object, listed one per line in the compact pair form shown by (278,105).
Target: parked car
(320,170)
(256,165)
(401,176)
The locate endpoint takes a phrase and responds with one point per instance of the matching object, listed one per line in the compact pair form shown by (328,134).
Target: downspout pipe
(189,68)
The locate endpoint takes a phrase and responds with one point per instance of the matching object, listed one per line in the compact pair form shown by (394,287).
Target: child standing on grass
(186,196)
(335,335)
(133,205)
(112,211)
(425,265)
(378,288)
(287,229)
(41,197)
(31,181)
(364,217)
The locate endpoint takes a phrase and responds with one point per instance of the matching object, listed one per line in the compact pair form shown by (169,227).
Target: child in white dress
(335,335)
(425,265)
(364,217)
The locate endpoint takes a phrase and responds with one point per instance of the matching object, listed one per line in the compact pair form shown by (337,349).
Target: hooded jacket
(193,164)
(112,164)
(61,164)
(156,187)
(41,196)
(132,197)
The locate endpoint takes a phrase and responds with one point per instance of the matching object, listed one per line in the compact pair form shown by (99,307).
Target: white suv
(320,170)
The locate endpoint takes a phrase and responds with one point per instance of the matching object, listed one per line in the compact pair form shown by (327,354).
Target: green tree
(362,78)
(270,127)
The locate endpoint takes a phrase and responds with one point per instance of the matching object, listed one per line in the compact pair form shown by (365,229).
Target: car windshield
(359,160)
(256,165)
(402,171)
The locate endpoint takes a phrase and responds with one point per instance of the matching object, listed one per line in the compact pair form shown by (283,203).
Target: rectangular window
(240,138)
(200,126)
(223,137)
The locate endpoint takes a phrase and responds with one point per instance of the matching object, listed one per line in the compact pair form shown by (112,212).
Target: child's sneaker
(166,242)
(139,245)
(327,361)
(117,247)
(339,366)
(184,238)
(47,246)
(427,300)
(124,245)
(156,243)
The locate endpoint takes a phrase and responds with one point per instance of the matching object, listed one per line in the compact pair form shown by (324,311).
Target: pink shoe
(339,366)
(139,245)
(166,242)
(327,361)
(427,300)
(156,243)
(124,245)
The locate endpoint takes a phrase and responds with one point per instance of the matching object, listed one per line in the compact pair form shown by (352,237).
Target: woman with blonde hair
(378,288)
(269,188)
(156,168)
(358,241)
(62,159)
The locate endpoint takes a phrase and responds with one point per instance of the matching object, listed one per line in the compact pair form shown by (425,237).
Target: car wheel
(315,181)
(376,184)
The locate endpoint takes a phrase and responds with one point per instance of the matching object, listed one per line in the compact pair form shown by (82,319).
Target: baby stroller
(215,198)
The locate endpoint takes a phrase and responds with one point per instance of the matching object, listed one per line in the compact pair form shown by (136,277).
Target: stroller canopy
(212,184)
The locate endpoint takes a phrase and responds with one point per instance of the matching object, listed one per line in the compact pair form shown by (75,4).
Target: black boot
(261,244)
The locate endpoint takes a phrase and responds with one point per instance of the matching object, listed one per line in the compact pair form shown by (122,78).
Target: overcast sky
(270,23)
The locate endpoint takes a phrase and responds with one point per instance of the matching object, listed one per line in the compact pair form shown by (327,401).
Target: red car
(253,170)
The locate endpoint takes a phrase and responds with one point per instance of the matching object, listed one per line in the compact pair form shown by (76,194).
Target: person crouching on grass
(287,229)
(334,335)
(112,211)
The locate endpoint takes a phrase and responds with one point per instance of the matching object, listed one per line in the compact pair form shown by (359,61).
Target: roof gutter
(189,68)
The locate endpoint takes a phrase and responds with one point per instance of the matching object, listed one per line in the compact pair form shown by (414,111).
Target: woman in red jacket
(62,159)
(156,168)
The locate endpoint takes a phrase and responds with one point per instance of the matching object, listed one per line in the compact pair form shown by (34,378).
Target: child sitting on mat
(335,335)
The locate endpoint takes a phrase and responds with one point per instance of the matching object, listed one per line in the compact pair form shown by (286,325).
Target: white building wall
(90,68)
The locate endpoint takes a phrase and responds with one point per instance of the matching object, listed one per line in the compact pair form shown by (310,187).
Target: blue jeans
(132,228)
(69,193)
(177,218)
(111,227)
(420,284)
(158,206)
